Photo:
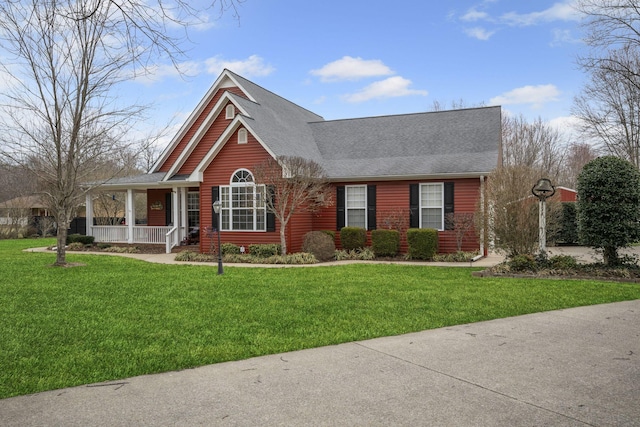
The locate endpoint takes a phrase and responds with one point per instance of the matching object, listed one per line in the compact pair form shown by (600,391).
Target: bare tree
(64,60)
(460,224)
(534,145)
(609,105)
(610,25)
(512,217)
(293,184)
(578,154)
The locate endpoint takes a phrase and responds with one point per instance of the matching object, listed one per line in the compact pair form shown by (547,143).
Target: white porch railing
(141,234)
(110,233)
(171,238)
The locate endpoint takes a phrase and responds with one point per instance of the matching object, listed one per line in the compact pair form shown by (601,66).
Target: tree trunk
(610,255)
(283,239)
(61,250)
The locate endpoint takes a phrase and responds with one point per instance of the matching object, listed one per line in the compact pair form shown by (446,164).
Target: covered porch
(171,217)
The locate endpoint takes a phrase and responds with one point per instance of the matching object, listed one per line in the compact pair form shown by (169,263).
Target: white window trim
(242,136)
(227,198)
(196,209)
(346,205)
(229,111)
(421,206)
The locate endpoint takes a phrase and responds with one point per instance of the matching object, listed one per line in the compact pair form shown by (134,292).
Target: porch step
(192,248)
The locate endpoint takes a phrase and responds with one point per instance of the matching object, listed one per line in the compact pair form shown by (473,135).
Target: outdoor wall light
(543,190)
(216,208)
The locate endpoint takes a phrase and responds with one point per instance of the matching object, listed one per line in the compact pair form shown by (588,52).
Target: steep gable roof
(451,143)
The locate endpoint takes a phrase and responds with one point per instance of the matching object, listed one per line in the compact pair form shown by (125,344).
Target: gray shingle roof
(456,142)
(463,141)
(435,143)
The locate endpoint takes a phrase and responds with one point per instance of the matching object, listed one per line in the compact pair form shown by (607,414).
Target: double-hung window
(243,204)
(356,206)
(193,209)
(432,206)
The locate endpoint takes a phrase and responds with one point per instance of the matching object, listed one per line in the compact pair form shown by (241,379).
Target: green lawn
(117,317)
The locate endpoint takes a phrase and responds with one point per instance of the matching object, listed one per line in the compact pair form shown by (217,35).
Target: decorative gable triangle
(224,81)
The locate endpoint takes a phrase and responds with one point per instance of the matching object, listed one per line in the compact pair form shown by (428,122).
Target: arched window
(242,136)
(230,111)
(243,207)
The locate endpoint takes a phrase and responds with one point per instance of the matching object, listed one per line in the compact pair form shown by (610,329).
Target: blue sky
(356,58)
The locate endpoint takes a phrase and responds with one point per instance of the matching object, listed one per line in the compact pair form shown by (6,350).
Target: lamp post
(216,209)
(543,190)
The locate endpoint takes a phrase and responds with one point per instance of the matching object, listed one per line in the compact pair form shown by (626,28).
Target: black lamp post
(216,209)
(543,190)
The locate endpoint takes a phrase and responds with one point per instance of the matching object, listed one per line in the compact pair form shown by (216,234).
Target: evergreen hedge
(423,243)
(353,238)
(385,242)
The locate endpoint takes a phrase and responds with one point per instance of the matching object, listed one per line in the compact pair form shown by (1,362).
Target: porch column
(89,213)
(184,228)
(175,205)
(130,215)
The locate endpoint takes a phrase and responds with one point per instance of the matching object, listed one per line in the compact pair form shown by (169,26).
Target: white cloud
(251,67)
(479,33)
(561,37)
(388,88)
(534,95)
(473,15)
(349,68)
(563,11)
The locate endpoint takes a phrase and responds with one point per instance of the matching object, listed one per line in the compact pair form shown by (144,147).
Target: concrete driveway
(573,367)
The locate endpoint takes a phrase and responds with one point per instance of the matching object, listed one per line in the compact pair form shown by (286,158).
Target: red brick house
(425,164)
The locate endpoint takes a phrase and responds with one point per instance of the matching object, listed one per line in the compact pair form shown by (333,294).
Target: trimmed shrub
(330,233)
(320,244)
(353,238)
(230,248)
(264,250)
(385,242)
(422,242)
(85,240)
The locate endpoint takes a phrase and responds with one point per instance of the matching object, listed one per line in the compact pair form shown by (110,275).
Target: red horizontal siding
(196,125)
(232,157)
(157,217)
(392,209)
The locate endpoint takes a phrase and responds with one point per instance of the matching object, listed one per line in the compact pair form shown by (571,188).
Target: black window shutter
(215,195)
(414,206)
(448,204)
(271,217)
(340,212)
(371,207)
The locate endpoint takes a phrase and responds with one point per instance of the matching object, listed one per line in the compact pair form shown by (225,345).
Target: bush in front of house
(320,244)
(230,249)
(330,233)
(353,238)
(85,240)
(385,242)
(609,206)
(264,250)
(422,242)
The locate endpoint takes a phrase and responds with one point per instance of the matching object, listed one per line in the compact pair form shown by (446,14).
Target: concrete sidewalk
(573,367)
